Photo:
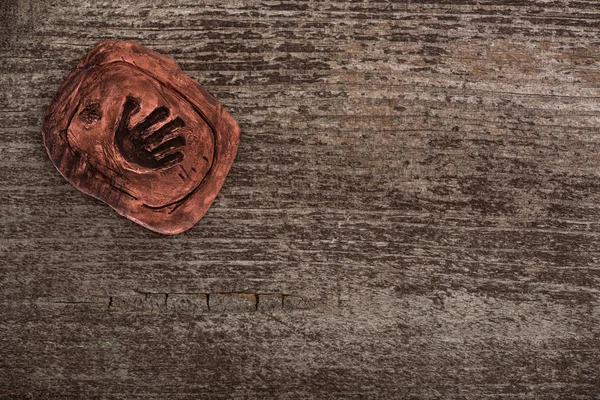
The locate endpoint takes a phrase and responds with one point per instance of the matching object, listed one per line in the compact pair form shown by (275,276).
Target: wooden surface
(414,212)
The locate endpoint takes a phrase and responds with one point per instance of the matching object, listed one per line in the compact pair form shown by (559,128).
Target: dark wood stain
(413,211)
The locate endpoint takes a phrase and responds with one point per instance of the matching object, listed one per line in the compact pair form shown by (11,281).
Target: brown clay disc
(131,129)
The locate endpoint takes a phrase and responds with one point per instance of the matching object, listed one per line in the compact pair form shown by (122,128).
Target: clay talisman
(131,129)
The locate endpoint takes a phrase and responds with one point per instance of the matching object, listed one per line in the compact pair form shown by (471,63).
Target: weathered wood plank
(413,213)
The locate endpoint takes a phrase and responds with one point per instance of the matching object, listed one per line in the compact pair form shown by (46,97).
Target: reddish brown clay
(131,129)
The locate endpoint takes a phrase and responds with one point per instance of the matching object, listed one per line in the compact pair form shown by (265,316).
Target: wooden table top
(412,213)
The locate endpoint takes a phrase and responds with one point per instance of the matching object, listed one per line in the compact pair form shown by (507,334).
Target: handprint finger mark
(144,147)
(158,137)
(156,116)
(172,159)
(166,147)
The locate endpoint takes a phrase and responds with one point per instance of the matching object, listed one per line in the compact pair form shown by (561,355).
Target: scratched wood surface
(414,211)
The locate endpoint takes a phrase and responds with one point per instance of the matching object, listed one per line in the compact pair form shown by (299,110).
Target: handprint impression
(144,147)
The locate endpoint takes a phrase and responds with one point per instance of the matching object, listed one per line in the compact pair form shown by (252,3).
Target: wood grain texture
(415,200)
